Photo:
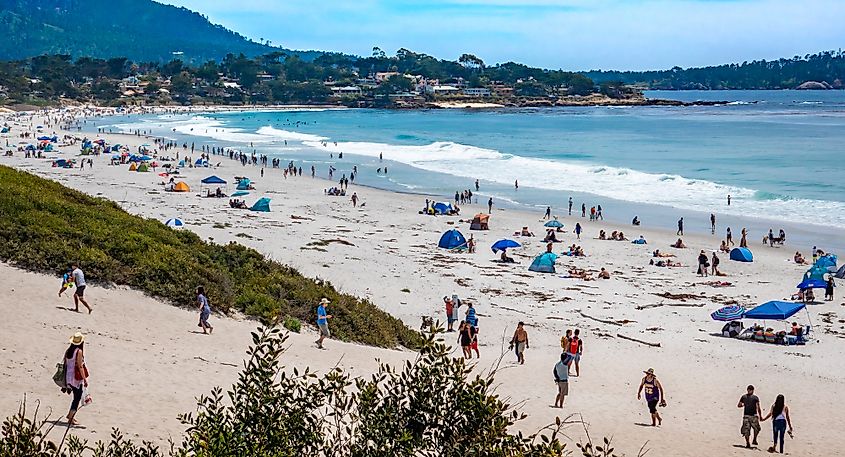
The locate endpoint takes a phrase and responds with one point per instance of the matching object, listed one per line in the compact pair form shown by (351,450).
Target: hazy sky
(568,34)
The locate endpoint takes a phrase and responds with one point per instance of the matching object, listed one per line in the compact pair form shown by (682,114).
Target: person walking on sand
(583,210)
(76,374)
(779,413)
(67,282)
(574,350)
(712,224)
(548,214)
(751,415)
(570,206)
(578,230)
(519,342)
(561,372)
(79,294)
(465,336)
(323,322)
(354,200)
(743,241)
(654,395)
(490,205)
(729,238)
(205,311)
(680,226)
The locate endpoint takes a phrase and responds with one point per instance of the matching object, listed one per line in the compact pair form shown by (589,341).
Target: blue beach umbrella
(553,224)
(501,245)
(811,283)
(175,222)
(240,193)
(728,313)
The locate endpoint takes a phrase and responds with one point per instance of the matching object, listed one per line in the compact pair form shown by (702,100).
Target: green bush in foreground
(429,407)
(45,226)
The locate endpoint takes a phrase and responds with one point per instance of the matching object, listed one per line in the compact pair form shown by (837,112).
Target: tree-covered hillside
(141,30)
(826,67)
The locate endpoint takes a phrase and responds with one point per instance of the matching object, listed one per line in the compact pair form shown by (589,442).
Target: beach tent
(243,184)
(181,187)
(213,180)
(133,167)
(442,208)
(263,205)
(175,223)
(742,255)
(826,262)
(544,263)
(774,310)
(501,245)
(452,239)
(841,273)
(479,222)
(810,283)
(143,168)
(553,224)
(201,163)
(240,193)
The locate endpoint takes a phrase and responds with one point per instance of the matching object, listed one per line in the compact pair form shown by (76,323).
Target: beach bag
(59,376)
(87,399)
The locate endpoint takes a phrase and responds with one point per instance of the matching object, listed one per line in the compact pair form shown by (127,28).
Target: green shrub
(292,324)
(45,226)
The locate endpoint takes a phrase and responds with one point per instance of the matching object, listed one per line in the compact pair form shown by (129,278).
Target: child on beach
(205,311)
(67,282)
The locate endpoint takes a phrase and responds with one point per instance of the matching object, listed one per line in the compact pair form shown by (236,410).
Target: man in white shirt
(79,280)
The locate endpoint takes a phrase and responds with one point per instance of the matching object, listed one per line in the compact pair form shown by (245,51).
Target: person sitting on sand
(799,258)
(602,235)
(613,235)
(523,232)
(549,247)
(604,274)
(622,237)
(724,247)
(550,236)
(636,220)
(679,244)
(505,259)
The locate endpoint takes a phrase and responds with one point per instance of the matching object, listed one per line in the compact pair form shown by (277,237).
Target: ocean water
(779,154)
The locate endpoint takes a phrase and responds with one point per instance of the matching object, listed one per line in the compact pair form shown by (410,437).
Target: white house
(477,92)
(441,90)
(346,90)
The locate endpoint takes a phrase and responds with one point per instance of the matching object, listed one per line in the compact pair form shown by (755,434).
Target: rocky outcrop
(814,85)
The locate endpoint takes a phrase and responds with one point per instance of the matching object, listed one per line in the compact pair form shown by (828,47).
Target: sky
(557,34)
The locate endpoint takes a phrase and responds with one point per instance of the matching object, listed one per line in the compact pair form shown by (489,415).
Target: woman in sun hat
(654,395)
(76,373)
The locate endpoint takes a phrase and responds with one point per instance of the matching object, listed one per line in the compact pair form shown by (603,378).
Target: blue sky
(568,34)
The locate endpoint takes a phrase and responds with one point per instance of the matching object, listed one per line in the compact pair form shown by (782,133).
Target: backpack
(59,376)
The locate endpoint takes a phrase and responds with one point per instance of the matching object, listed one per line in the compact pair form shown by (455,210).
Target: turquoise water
(779,154)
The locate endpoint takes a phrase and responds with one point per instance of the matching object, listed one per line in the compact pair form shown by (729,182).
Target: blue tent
(827,262)
(243,184)
(774,310)
(544,263)
(742,255)
(201,163)
(810,283)
(263,205)
(442,208)
(452,239)
(175,222)
(554,224)
(213,180)
(501,245)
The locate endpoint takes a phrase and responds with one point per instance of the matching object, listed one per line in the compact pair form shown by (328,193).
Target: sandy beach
(148,364)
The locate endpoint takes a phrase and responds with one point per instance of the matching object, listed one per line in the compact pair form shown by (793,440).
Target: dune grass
(45,226)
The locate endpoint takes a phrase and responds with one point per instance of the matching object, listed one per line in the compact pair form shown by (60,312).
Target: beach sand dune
(147,364)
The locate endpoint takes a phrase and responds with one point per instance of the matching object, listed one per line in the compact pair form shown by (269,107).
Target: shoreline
(393,249)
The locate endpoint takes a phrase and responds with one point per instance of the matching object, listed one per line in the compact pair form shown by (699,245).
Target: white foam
(613,182)
(288,135)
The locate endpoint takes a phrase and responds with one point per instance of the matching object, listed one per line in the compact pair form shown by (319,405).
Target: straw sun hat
(77,338)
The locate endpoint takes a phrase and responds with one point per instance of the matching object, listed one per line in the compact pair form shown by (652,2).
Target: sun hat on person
(77,338)
(649,371)
(325,301)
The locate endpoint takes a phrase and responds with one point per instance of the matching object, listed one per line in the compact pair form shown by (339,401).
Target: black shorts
(80,291)
(652,406)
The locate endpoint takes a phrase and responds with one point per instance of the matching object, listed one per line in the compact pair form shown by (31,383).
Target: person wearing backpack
(76,374)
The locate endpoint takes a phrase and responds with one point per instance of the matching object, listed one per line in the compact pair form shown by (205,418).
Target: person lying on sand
(657,253)
(679,244)
(578,273)
(665,263)
(602,235)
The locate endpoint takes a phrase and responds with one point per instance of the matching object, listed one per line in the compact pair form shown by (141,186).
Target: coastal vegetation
(45,226)
(428,406)
(826,68)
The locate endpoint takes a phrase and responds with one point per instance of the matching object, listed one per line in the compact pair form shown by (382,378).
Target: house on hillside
(477,92)
(441,90)
(346,90)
